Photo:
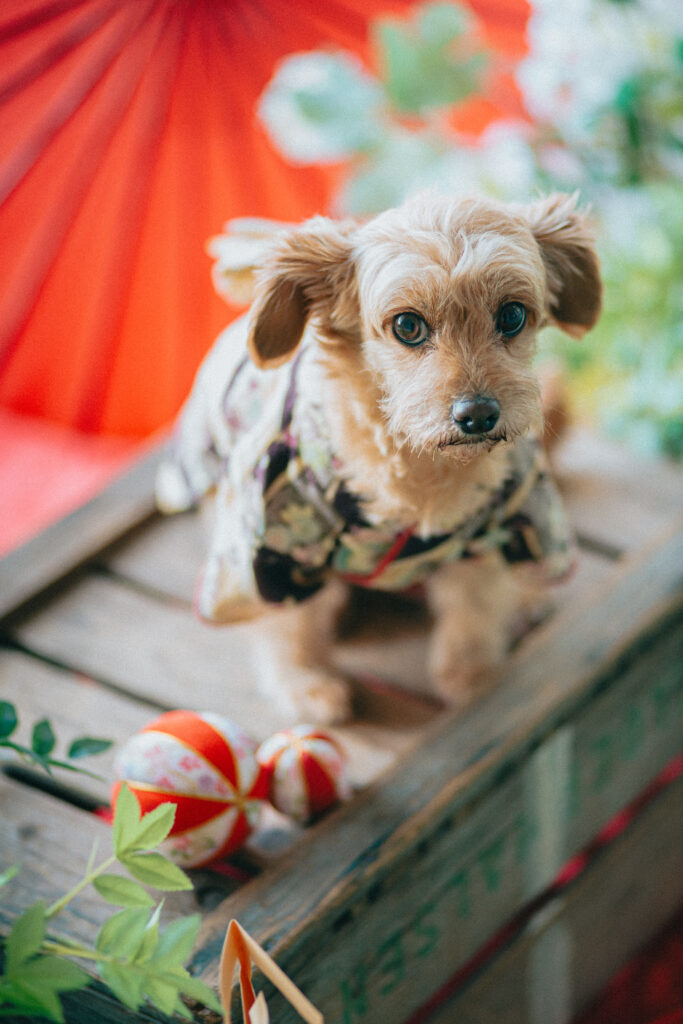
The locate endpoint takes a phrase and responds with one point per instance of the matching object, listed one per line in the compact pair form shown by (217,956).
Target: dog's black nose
(476,415)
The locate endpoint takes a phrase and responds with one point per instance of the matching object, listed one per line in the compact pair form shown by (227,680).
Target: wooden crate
(389,908)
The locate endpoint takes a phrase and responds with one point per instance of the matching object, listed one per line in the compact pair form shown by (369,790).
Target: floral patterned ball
(204,764)
(307,769)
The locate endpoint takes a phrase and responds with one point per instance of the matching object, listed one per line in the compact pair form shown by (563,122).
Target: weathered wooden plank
(68,543)
(392,644)
(52,840)
(52,849)
(387,639)
(159,652)
(484,811)
(386,873)
(463,885)
(76,706)
(575,943)
(613,496)
(612,747)
(96,1003)
(164,556)
(154,649)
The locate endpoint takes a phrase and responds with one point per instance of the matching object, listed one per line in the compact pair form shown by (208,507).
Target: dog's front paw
(321,697)
(463,669)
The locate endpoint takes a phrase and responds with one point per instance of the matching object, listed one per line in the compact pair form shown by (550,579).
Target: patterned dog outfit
(285,520)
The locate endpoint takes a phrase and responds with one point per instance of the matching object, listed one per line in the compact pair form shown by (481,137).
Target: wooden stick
(240,947)
(259,1011)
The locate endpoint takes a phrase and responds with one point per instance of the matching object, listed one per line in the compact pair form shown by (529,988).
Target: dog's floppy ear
(567,246)
(305,273)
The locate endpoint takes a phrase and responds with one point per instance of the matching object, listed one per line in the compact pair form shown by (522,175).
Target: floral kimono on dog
(285,520)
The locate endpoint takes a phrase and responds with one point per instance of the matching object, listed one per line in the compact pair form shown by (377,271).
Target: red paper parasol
(128,139)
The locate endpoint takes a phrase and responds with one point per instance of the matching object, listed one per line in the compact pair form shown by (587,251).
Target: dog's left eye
(511,319)
(410,329)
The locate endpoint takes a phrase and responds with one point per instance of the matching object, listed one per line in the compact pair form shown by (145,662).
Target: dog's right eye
(410,329)
(511,319)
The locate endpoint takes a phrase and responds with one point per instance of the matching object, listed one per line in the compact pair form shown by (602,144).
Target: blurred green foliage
(428,62)
(603,82)
(628,373)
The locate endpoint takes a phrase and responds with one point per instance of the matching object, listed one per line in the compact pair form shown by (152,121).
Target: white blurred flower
(506,161)
(626,214)
(582,51)
(321,107)
(501,165)
(561,165)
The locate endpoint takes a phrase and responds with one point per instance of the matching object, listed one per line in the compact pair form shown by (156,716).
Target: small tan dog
(384,432)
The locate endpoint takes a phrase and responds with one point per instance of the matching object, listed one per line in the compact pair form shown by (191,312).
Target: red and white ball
(307,769)
(204,764)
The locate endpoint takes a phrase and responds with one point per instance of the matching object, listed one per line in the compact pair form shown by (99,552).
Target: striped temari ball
(307,769)
(204,764)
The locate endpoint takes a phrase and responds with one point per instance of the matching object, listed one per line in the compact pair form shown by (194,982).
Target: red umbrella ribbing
(129,137)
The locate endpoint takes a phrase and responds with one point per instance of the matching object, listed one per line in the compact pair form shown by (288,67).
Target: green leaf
(8,719)
(155,870)
(52,762)
(43,739)
(38,1003)
(93,855)
(122,892)
(26,936)
(9,874)
(124,983)
(196,989)
(126,821)
(52,972)
(87,746)
(133,834)
(177,941)
(182,1011)
(35,986)
(149,939)
(122,935)
(153,828)
(22,1005)
(164,994)
(26,754)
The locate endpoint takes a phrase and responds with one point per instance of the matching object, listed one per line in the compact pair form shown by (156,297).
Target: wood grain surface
(457,822)
(329,910)
(571,948)
(70,542)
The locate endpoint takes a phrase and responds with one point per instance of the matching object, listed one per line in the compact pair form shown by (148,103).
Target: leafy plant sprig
(134,958)
(43,743)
